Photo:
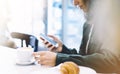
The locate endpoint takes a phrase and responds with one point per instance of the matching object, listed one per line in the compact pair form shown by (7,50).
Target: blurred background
(57,17)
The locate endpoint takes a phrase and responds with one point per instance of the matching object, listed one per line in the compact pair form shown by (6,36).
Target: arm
(68,51)
(101,62)
(61,47)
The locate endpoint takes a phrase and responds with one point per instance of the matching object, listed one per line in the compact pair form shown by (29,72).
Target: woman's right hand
(50,46)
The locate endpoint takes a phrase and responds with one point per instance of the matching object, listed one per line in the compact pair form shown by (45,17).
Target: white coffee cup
(24,54)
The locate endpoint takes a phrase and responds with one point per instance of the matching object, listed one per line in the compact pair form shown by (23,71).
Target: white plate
(25,63)
(83,70)
(55,70)
(86,70)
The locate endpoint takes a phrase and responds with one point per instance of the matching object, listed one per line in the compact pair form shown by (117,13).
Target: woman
(96,51)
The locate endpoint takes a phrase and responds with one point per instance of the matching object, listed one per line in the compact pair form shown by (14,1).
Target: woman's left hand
(47,58)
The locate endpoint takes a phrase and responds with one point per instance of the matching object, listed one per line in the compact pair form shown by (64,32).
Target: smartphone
(54,43)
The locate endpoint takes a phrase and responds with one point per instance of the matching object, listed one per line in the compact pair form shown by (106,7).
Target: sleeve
(68,51)
(86,29)
(101,62)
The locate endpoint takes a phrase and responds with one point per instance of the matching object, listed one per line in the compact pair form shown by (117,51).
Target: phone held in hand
(51,41)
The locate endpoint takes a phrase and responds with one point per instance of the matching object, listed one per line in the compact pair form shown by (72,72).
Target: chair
(29,39)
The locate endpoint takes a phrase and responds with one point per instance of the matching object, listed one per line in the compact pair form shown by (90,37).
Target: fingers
(39,56)
(48,45)
(45,63)
(39,53)
(52,48)
(42,62)
(42,39)
(54,38)
(45,58)
(39,59)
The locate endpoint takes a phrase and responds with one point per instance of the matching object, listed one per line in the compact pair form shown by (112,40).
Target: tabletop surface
(8,65)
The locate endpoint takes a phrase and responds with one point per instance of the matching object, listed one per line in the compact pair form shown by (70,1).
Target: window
(66,22)
(26,16)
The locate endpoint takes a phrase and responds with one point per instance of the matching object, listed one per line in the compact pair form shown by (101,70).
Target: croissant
(69,68)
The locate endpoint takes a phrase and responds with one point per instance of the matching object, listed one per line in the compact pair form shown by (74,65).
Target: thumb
(54,38)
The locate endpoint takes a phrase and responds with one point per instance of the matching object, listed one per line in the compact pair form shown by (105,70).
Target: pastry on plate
(69,68)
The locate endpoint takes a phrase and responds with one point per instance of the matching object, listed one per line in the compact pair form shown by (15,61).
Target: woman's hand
(45,58)
(51,47)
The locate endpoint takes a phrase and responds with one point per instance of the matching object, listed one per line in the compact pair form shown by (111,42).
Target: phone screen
(54,43)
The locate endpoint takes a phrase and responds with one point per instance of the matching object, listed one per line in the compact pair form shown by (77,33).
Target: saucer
(25,63)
